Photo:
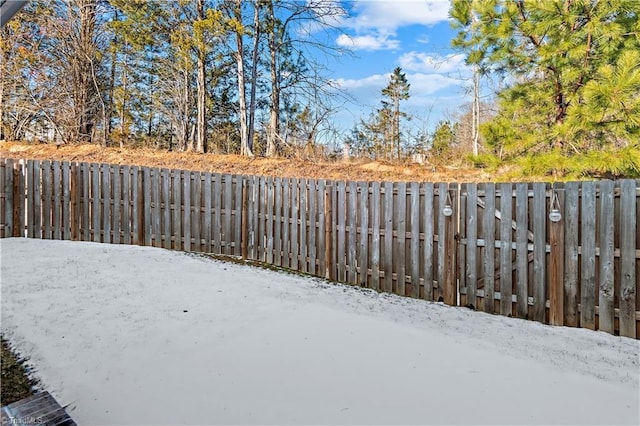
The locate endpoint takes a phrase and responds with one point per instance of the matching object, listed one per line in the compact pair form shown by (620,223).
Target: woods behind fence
(497,251)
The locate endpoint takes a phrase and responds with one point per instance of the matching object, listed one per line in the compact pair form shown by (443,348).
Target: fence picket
(341,242)
(352,209)
(571,244)
(47,208)
(628,259)
(400,214)
(506,267)
(313,226)
(522,250)
(117,205)
(606,271)
(588,257)
(489,222)
(388,237)
(375,237)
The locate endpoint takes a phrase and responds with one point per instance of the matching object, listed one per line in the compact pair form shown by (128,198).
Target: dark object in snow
(38,409)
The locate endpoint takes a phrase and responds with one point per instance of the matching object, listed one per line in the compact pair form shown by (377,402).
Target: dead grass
(357,170)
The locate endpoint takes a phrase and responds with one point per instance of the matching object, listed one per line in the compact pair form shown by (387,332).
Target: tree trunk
(85,114)
(254,73)
(245,143)
(201,121)
(274,107)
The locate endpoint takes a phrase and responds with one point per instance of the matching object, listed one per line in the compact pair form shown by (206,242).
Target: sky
(414,35)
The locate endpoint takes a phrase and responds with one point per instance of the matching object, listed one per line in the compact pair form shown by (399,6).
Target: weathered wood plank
(571,232)
(313,226)
(85,169)
(341,242)
(137,211)
(415,240)
(106,203)
(269,218)
(66,201)
(295,224)
(57,200)
(539,211)
(388,237)
(363,278)
(375,237)
(237,215)
(588,257)
(176,223)
(148,212)
(186,212)
(228,214)
(117,205)
(166,208)
(352,214)
(506,284)
(261,216)
(196,188)
(489,222)
(428,218)
(449,289)
(522,251)
(95,205)
(10,201)
(286,224)
(126,204)
(472,240)
(47,194)
(207,213)
(628,261)
(606,272)
(400,214)
(277,226)
(556,259)
(37,198)
(217,214)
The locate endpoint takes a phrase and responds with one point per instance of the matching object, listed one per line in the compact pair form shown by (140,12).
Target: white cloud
(421,83)
(367,42)
(388,15)
(434,63)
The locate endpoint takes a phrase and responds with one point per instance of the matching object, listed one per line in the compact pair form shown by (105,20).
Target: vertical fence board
(522,250)
(571,244)
(375,237)
(66,201)
(237,219)
(261,215)
(505,249)
(400,214)
(197,211)
(57,200)
(126,205)
(539,212)
(472,244)
(363,255)
(313,226)
(606,272)
(277,226)
(228,207)
(295,224)
(428,218)
(11,201)
(286,223)
(302,229)
(117,205)
(489,222)
(166,207)
(588,257)
(556,259)
(106,203)
(85,170)
(47,193)
(449,288)
(4,197)
(388,237)
(217,214)
(176,224)
(207,213)
(186,211)
(414,250)
(37,197)
(95,204)
(628,278)
(352,209)
(341,243)
(269,218)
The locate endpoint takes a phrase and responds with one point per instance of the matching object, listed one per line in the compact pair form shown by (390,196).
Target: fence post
(328,225)
(73,223)
(245,219)
(450,291)
(556,262)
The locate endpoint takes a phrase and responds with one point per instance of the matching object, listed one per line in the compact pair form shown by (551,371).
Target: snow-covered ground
(133,335)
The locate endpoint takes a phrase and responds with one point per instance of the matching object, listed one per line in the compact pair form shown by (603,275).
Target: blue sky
(412,34)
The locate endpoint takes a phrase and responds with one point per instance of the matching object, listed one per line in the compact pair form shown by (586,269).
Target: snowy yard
(135,335)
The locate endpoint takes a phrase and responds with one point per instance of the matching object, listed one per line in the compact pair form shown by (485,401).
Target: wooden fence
(487,246)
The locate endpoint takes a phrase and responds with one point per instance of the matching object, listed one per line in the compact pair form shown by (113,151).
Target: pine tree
(397,90)
(572,69)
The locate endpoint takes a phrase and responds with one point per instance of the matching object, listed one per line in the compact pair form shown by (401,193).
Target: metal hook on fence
(555,215)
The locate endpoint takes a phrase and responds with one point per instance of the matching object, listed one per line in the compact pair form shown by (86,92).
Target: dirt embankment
(358,169)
